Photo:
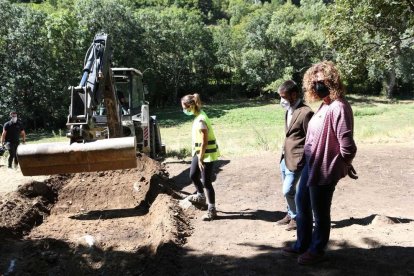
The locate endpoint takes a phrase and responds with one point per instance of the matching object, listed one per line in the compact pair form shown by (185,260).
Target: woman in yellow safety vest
(204,152)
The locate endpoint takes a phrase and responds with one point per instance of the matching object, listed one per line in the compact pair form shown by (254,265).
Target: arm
(344,128)
(3,136)
(204,135)
(306,120)
(23,134)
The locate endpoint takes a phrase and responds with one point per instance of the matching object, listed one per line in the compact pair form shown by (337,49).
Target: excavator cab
(136,120)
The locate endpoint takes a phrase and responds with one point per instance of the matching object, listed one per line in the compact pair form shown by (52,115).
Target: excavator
(108,122)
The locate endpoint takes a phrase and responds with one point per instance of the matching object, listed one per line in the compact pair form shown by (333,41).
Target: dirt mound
(90,193)
(113,222)
(20,211)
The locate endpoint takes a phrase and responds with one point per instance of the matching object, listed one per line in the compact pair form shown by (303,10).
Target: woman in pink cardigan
(329,151)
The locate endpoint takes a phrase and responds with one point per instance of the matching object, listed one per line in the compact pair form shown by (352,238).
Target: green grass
(241,127)
(248,127)
(46,136)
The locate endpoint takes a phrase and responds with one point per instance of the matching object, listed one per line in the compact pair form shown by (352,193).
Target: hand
(352,172)
(200,163)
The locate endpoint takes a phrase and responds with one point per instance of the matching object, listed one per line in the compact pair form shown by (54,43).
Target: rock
(185,204)
(381,220)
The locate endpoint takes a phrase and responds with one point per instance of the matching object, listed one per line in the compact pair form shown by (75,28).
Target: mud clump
(112,222)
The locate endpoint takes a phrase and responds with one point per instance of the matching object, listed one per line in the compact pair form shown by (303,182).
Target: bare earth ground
(130,222)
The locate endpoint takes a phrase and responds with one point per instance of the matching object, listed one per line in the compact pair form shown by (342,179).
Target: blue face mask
(188,113)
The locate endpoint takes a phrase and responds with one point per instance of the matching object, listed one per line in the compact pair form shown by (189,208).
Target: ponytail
(192,100)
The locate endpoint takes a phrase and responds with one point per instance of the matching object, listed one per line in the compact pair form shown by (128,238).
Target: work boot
(309,258)
(210,215)
(290,252)
(197,199)
(291,226)
(284,220)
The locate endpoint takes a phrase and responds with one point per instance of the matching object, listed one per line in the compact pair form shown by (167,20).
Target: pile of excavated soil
(113,222)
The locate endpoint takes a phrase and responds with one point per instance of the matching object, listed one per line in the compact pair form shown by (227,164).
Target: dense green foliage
(373,40)
(219,48)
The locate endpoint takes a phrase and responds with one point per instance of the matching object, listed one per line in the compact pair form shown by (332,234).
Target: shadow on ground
(365,221)
(182,180)
(270,216)
(55,257)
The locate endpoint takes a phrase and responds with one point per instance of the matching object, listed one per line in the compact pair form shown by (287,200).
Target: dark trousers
(313,202)
(203,179)
(13,153)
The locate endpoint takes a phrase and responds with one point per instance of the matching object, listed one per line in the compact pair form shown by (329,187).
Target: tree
(291,42)
(7,18)
(115,18)
(258,61)
(27,79)
(65,58)
(175,42)
(371,37)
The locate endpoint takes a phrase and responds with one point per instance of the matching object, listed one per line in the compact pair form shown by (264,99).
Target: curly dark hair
(332,80)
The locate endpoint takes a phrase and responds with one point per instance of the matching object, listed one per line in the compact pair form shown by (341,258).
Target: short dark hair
(289,87)
(13,113)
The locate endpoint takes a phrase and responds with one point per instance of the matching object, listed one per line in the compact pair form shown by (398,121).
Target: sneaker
(284,220)
(291,226)
(309,258)
(210,215)
(197,199)
(290,252)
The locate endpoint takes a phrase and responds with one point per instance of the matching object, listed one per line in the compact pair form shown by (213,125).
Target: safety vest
(212,152)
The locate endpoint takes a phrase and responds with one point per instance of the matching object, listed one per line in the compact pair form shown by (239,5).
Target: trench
(109,223)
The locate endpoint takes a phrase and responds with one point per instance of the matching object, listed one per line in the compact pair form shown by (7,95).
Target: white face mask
(14,119)
(284,103)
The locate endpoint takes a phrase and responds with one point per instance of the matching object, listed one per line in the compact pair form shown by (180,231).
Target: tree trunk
(391,83)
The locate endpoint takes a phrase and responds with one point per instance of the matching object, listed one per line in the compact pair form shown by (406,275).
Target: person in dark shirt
(10,138)
(124,102)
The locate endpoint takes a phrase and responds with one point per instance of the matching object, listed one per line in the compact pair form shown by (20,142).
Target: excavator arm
(96,85)
(91,147)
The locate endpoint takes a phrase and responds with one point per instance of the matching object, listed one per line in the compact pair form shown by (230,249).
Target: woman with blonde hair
(204,153)
(329,150)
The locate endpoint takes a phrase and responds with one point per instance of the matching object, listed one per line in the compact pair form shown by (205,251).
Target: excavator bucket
(61,158)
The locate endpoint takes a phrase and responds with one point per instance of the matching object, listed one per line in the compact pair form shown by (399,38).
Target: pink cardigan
(330,146)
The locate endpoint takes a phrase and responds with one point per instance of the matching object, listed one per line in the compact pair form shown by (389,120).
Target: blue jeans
(314,200)
(289,180)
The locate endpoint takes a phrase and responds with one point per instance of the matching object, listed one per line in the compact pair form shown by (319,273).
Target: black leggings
(203,178)
(12,153)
